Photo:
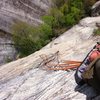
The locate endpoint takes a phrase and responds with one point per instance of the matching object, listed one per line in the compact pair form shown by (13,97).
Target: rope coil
(52,62)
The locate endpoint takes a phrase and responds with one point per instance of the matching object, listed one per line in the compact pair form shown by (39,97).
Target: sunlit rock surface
(25,78)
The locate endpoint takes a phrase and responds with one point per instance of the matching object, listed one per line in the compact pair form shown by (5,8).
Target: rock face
(7,50)
(12,11)
(23,10)
(96,9)
(25,78)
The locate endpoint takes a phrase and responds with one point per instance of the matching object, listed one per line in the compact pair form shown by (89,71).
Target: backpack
(92,74)
(79,80)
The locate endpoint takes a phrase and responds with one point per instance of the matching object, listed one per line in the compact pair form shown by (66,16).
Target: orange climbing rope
(53,63)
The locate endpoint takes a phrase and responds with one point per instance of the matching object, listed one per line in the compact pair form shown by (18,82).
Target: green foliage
(64,9)
(76,13)
(58,15)
(70,20)
(97,32)
(22,36)
(46,33)
(49,20)
(28,39)
(63,15)
(58,3)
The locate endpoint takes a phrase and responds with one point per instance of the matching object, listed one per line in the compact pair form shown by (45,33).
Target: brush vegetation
(60,17)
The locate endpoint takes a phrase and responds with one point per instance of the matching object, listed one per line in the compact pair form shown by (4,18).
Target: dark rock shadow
(90,93)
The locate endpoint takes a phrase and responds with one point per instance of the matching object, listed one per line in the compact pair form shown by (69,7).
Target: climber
(93,54)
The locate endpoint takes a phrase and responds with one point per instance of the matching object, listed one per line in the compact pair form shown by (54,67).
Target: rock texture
(23,10)
(25,78)
(7,50)
(96,9)
(11,11)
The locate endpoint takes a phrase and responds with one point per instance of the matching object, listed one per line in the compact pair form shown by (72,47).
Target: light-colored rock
(25,79)
(79,33)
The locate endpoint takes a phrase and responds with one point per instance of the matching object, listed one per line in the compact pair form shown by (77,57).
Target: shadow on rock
(90,93)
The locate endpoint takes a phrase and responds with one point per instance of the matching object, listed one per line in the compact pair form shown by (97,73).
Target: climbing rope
(52,62)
